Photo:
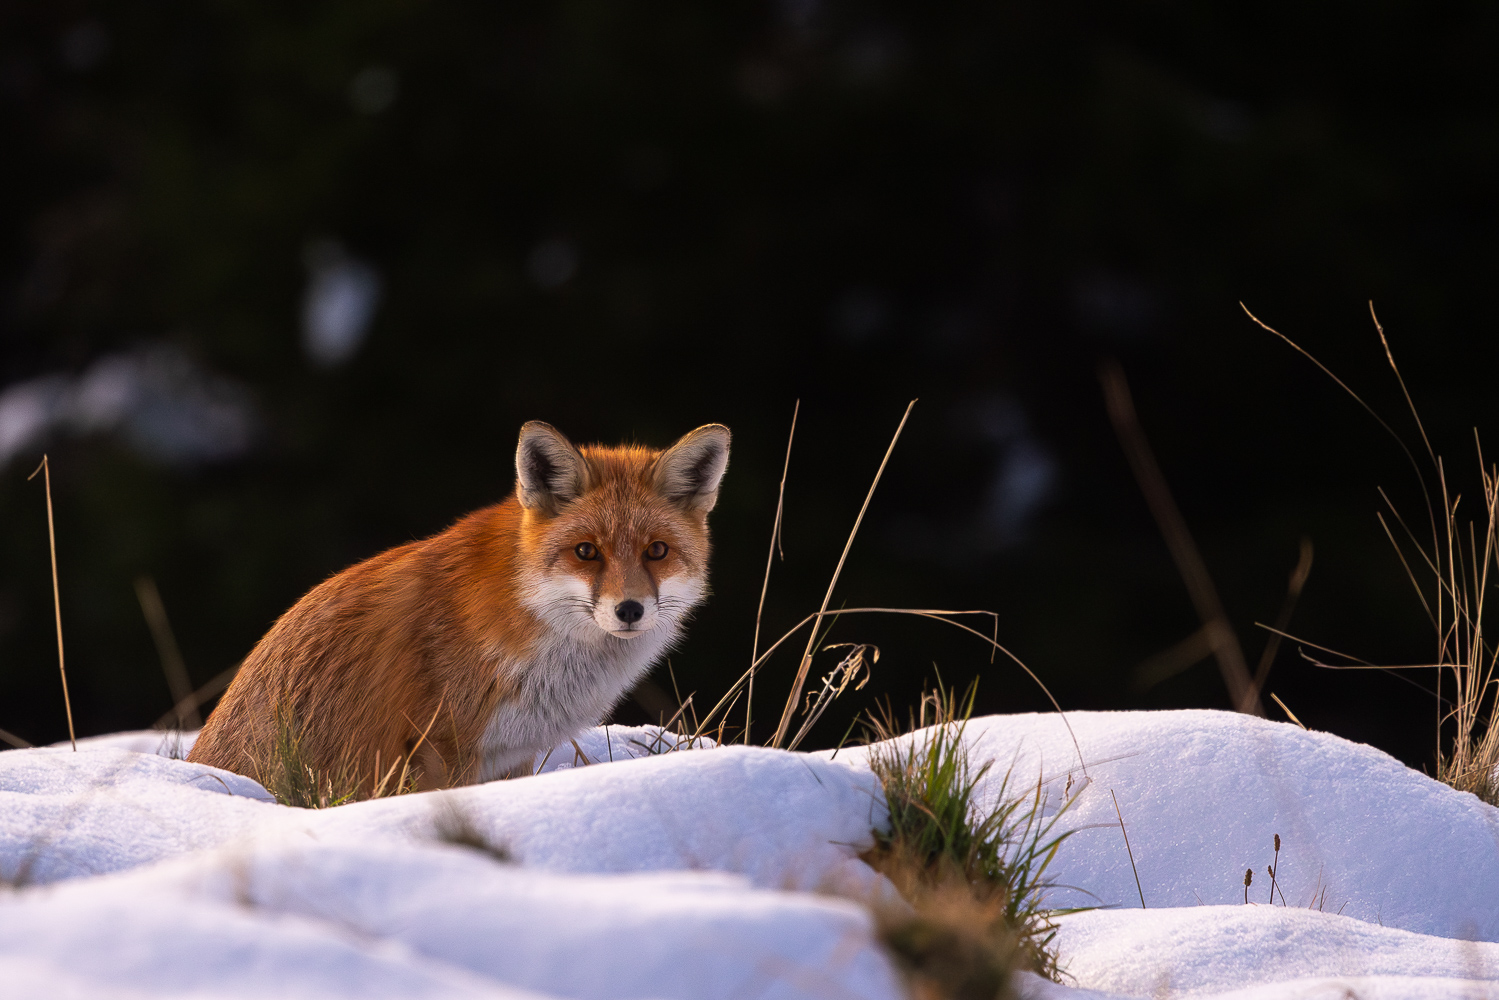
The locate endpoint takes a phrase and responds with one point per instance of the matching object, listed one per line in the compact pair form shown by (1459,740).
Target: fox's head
(617,538)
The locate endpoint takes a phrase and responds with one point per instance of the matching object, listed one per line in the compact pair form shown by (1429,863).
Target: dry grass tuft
(951,943)
(973,872)
(1457,605)
(1449,564)
(285,771)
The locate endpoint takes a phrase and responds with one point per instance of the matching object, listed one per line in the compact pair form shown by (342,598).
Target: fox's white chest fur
(569,685)
(578,671)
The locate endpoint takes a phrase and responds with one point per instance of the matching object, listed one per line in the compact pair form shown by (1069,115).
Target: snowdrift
(734,872)
(1203,795)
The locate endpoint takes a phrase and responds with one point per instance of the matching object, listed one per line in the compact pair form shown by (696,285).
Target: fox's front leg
(521,769)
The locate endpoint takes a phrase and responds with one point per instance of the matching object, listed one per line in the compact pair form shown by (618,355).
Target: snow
(733,872)
(440,921)
(1203,795)
(1209,950)
(781,820)
(670,874)
(64,814)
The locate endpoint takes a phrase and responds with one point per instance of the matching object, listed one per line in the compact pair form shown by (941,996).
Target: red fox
(514,629)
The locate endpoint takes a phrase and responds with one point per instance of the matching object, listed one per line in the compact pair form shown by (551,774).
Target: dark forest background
(279,282)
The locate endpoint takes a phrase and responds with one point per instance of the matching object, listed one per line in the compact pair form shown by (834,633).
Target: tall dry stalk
(67,703)
(1217,632)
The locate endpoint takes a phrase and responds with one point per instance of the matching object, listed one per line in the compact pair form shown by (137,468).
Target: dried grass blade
(934,614)
(806,661)
(775,546)
(194,701)
(1284,708)
(46,470)
(172,664)
(1356,397)
(1184,551)
(1400,554)
(1294,587)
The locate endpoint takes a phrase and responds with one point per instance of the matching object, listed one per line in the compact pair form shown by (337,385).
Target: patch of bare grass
(972,868)
(285,770)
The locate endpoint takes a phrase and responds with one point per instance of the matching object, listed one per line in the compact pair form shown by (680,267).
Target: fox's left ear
(688,473)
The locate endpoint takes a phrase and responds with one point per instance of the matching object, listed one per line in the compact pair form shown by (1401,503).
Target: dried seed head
(1248,877)
(1277,843)
(1269,871)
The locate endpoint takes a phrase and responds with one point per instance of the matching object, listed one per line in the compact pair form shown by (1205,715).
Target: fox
(466,654)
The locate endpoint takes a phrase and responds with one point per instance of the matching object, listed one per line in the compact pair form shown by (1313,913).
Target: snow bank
(783,820)
(667,874)
(65,814)
(1031,987)
(1203,795)
(1197,951)
(660,875)
(400,920)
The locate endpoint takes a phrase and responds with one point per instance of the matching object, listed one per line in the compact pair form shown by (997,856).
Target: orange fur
(506,628)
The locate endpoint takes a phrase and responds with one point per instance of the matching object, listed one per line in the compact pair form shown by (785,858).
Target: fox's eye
(586,551)
(655,550)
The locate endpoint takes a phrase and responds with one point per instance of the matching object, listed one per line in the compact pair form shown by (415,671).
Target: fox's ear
(688,473)
(549,471)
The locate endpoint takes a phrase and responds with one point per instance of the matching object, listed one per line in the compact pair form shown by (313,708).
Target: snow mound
(397,920)
(592,746)
(684,874)
(1203,795)
(615,743)
(1196,951)
(659,875)
(66,814)
(783,820)
(1030,987)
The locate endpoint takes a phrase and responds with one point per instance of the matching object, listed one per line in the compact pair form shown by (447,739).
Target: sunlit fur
(495,632)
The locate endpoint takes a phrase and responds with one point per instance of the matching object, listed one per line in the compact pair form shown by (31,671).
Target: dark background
(629,219)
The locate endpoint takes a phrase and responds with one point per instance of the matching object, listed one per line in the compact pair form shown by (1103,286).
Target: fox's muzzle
(625,619)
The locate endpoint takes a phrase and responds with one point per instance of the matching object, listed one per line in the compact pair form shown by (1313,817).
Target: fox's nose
(629,612)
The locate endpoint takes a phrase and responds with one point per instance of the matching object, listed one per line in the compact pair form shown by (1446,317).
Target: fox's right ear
(549,471)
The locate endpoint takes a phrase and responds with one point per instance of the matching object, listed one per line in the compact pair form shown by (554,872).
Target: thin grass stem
(167,650)
(775,546)
(1184,552)
(1127,850)
(46,470)
(806,660)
